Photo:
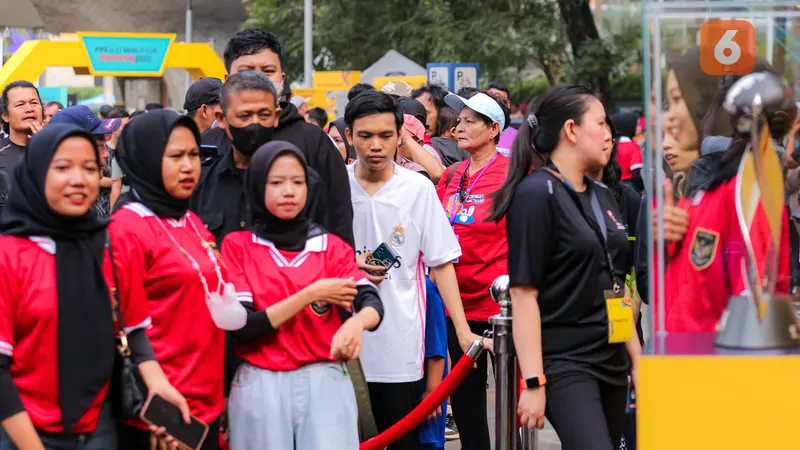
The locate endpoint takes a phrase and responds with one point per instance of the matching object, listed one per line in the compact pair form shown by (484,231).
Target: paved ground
(547,438)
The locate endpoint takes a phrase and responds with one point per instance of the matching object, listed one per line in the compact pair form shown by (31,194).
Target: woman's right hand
(338,291)
(676,220)
(531,408)
(361,260)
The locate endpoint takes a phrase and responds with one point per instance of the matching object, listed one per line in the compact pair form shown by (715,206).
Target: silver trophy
(759,318)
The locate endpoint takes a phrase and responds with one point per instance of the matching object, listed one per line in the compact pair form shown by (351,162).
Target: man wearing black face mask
(258,50)
(250,113)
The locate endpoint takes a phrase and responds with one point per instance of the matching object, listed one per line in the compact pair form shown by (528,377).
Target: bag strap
(115,304)
(451,171)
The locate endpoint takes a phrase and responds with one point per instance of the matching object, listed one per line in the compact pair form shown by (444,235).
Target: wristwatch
(534,382)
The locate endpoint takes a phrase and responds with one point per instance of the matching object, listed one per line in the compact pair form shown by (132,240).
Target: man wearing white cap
(301,103)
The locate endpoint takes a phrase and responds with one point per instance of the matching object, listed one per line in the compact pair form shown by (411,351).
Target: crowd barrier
(508,434)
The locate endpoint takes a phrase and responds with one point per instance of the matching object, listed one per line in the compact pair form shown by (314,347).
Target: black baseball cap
(205,91)
(414,108)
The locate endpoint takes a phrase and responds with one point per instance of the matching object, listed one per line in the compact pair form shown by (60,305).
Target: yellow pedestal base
(707,399)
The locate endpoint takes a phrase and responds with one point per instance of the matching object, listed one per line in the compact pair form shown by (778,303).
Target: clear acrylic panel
(670,28)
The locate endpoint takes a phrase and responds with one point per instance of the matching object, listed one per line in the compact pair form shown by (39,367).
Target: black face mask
(248,139)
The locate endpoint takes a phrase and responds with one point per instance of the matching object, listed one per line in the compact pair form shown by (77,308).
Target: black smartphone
(382,256)
(161,413)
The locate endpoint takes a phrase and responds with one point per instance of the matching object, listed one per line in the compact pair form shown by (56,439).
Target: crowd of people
(295,282)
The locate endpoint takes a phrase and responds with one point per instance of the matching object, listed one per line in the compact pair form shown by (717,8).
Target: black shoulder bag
(128,391)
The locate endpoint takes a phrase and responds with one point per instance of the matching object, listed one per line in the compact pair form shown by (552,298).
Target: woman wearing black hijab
(54,369)
(309,306)
(336,132)
(167,264)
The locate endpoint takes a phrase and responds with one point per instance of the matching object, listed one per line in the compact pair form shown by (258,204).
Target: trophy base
(740,328)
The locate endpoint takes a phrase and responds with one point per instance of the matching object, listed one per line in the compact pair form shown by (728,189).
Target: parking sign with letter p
(727,47)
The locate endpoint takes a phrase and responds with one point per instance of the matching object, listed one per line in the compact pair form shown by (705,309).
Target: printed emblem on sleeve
(704,248)
(398,237)
(320,307)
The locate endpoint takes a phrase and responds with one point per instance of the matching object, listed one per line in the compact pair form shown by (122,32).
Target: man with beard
(258,50)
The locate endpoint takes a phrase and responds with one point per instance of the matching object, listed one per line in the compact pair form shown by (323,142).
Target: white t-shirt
(406,214)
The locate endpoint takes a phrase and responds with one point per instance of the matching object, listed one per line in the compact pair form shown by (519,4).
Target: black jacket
(323,157)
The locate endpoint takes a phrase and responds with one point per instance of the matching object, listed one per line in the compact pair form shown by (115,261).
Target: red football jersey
(705,268)
(157,277)
(28,330)
(484,245)
(629,156)
(272,275)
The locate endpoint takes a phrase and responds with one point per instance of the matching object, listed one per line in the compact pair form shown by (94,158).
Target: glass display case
(691,389)
(768,30)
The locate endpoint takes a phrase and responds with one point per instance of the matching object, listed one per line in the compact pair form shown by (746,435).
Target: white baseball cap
(480,103)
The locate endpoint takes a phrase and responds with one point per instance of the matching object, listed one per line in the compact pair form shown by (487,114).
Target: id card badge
(620,317)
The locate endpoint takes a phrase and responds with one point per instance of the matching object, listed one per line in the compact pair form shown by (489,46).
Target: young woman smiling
(54,369)
(309,304)
(167,264)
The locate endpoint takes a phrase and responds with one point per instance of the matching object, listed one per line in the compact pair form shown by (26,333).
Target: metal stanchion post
(530,439)
(506,379)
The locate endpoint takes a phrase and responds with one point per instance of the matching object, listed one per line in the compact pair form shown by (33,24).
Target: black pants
(587,414)
(390,403)
(131,438)
(469,399)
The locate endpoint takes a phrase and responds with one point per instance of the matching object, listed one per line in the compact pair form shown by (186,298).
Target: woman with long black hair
(562,228)
(309,304)
(57,333)
(167,264)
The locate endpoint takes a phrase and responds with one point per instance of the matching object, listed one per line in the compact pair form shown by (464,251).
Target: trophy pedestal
(740,328)
(691,395)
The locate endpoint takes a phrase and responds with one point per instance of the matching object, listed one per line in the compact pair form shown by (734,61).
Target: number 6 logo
(727,47)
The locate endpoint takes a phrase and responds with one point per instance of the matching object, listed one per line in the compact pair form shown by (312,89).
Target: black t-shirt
(629,204)
(553,248)
(10,154)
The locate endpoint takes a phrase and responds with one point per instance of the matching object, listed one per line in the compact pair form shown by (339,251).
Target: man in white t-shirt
(399,208)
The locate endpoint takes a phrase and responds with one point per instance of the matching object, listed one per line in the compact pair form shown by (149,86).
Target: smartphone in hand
(383,256)
(160,413)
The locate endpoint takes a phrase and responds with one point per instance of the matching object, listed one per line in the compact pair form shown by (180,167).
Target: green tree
(504,36)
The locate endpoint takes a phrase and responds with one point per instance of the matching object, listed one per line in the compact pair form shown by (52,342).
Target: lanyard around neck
(598,225)
(195,265)
(461,195)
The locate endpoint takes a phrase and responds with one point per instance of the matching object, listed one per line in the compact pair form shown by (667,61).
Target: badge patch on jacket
(704,248)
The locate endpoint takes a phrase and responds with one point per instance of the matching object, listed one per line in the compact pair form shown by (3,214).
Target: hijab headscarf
(341,126)
(288,235)
(85,327)
(625,124)
(703,95)
(140,154)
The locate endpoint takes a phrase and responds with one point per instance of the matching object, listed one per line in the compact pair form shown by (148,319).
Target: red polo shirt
(28,330)
(156,276)
(704,269)
(273,275)
(484,245)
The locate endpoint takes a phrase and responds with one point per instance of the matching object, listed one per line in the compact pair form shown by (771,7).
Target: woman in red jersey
(166,264)
(705,245)
(56,326)
(465,191)
(310,305)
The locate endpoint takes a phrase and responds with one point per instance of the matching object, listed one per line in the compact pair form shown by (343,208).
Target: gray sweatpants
(311,408)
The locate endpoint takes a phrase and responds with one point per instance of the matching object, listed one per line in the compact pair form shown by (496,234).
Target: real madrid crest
(398,237)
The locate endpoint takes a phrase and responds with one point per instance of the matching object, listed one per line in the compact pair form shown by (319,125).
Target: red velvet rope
(424,410)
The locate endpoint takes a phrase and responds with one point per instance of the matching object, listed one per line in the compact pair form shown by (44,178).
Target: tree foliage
(506,37)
